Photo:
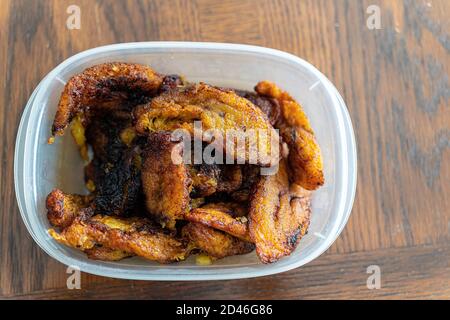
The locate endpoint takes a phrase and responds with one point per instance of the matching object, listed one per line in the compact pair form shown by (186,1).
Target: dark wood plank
(396,84)
(425,274)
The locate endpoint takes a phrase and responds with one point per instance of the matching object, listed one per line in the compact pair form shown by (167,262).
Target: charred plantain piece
(223,217)
(217,109)
(114,172)
(103,135)
(166,185)
(230,178)
(117,185)
(214,242)
(278,217)
(204,179)
(63,208)
(234,209)
(133,236)
(101,86)
(305,158)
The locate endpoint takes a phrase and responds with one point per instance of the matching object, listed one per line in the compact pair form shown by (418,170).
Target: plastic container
(40,167)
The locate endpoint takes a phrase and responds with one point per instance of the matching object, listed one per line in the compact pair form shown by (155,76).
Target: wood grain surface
(395,81)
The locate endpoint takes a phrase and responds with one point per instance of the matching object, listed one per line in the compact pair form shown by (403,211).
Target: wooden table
(395,81)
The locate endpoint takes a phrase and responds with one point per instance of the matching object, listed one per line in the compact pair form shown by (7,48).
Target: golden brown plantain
(278,217)
(135,236)
(166,185)
(268,105)
(221,217)
(234,209)
(106,254)
(103,84)
(63,208)
(103,101)
(208,179)
(217,109)
(214,242)
(301,207)
(305,158)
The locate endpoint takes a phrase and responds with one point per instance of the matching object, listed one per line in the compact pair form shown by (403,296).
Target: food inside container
(181,168)
(40,167)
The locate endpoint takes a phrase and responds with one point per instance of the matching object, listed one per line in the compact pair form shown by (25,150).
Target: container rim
(349,152)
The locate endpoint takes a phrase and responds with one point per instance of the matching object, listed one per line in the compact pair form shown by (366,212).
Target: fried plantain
(134,236)
(117,185)
(251,176)
(305,158)
(171,82)
(103,135)
(106,254)
(268,105)
(214,242)
(278,217)
(103,85)
(166,185)
(208,179)
(63,208)
(234,209)
(223,217)
(223,111)
(127,112)
(114,172)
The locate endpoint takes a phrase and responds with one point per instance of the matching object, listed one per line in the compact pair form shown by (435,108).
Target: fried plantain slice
(204,180)
(214,242)
(106,254)
(305,158)
(231,116)
(166,185)
(171,82)
(117,184)
(103,134)
(134,236)
(268,105)
(114,174)
(103,84)
(208,179)
(234,209)
(222,217)
(251,176)
(278,216)
(63,208)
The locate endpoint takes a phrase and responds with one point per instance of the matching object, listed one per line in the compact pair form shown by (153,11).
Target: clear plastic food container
(40,167)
